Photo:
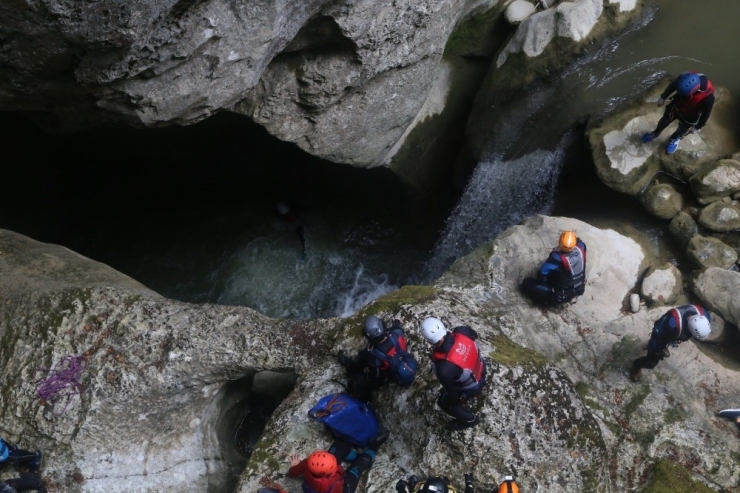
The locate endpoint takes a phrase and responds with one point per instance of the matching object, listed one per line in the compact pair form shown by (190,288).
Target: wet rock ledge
(162,379)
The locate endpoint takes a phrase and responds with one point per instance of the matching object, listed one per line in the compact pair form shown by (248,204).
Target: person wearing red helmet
(322,472)
(691,105)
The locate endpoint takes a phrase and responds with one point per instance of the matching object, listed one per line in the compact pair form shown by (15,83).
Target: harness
(574,263)
(463,354)
(686,106)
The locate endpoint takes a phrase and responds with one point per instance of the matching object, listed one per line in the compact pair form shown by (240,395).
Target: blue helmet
(687,83)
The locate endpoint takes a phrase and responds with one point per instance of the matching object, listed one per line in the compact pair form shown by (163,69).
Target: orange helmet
(508,486)
(321,463)
(567,241)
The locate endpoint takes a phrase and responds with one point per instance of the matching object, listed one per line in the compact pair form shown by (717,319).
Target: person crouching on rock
(675,326)
(457,362)
(322,472)
(432,485)
(385,359)
(562,276)
(692,105)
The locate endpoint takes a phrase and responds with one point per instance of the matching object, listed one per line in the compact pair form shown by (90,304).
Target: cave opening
(191,213)
(247,405)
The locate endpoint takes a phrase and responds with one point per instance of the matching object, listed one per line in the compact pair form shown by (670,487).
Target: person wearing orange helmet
(562,276)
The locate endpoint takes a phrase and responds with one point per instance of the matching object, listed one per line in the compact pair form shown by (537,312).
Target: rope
(62,382)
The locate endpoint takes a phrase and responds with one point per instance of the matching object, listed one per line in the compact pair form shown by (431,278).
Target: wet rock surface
(706,251)
(662,285)
(560,409)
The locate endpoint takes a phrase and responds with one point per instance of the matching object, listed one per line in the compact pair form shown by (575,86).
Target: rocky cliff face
(352,81)
(156,403)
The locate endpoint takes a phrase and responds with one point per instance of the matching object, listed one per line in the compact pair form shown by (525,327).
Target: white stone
(635,302)
(625,149)
(519,10)
(625,5)
(572,20)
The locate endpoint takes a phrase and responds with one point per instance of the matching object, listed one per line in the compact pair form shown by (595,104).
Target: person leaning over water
(691,105)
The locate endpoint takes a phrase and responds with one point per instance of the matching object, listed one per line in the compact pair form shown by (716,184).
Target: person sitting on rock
(27,482)
(322,472)
(675,326)
(457,362)
(10,454)
(692,105)
(371,367)
(731,414)
(432,485)
(562,276)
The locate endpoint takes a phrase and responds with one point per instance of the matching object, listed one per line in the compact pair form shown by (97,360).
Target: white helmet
(433,330)
(699,327)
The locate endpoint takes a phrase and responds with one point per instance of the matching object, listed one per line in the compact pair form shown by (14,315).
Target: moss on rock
(669,477)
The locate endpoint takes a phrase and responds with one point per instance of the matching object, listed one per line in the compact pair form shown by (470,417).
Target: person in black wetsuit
(562,276)
(368,370)
(677,325)
(459,368)
(691,105)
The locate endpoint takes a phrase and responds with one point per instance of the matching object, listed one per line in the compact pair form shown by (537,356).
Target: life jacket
(574,263)
(323,484)
(680,312)
(386,349)
(464,354)
(687,106)
(390,356)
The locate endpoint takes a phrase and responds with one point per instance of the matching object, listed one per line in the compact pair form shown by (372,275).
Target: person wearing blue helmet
(691,106)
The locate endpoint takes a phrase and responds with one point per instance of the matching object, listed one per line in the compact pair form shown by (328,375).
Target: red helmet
(321,463)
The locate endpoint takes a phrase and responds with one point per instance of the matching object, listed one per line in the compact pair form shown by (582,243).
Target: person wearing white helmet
(677,325)
(459,367)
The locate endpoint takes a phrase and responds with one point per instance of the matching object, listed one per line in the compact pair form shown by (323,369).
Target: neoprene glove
(401,486)
(661,101)
(469,479)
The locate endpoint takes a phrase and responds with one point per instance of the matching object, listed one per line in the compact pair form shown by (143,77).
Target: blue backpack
(400,365)
(347,418)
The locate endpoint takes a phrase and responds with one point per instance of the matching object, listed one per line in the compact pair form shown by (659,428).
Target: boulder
(571,20)
(718,180)
(718,289)
(683,228)
(626,164)
(518,10)
(706,251)
(662,285)
(662,200)
(720,217)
